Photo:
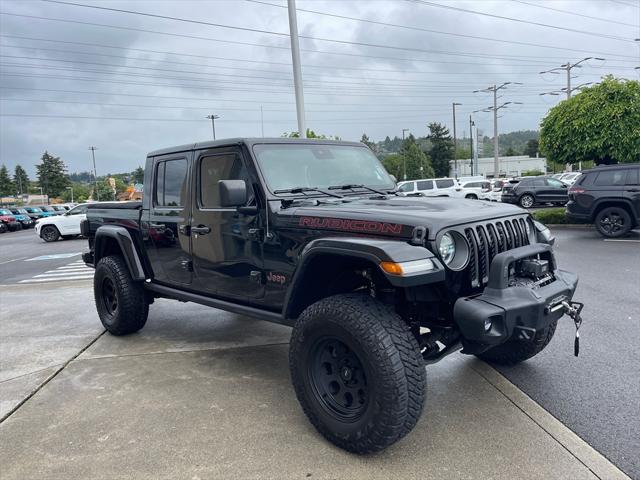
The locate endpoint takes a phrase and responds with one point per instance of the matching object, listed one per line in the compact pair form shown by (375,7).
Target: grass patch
(551,216)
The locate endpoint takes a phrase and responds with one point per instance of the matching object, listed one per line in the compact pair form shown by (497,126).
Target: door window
(425,185)
(170,183)
(552,182)
(611,178)
(79,210)
(444,183)
(215,168)
(633,176)
(406,187)
(538,182)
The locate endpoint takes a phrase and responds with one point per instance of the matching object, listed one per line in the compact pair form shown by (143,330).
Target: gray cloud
(374,90)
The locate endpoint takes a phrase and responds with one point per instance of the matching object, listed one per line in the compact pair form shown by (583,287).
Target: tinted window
(539,182)
(425,185)
(552,182)
(445,183)
(633,176)
(170,183)
(406,187)
(611,178)
(79,210)
(213,169)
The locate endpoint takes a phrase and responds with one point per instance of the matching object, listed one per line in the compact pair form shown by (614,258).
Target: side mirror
(233,193)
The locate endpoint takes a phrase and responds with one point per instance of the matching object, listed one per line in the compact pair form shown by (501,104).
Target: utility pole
(213,123)
(404,159)
(471,142)
(455,142)
(261,121)
(494,89)
(95,172)
(297,70)
(568,67)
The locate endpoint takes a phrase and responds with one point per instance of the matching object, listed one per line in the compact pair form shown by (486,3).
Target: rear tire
(121,303)
(471,196)
(527,201)
(613,222)
(515,351)
(49,233)
(357,371)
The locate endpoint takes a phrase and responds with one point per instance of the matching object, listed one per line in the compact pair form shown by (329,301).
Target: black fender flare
(123,238)
(374,251)
(614,202)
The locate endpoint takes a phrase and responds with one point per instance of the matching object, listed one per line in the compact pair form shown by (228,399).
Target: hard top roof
(599,168)
(249,142)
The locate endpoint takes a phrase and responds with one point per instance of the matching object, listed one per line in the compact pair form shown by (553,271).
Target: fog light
(487,324)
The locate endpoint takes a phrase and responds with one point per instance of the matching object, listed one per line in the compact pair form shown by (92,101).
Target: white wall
(509,166)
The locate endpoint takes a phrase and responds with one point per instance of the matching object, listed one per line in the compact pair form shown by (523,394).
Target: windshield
(33,210)
(286,166)
(5,212)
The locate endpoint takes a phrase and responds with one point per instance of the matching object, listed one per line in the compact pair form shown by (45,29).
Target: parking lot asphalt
(200,393)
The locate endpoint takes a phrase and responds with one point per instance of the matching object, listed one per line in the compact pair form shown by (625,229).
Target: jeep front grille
(489,239)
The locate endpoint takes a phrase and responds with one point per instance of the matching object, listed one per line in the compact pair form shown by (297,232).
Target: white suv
(66,225)
(476,190)
(430,187)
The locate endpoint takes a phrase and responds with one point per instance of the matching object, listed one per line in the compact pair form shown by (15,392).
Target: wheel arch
(334,265)
(116,240)
(619,202)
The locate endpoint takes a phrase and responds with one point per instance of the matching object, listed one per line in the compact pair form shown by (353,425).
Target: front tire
(49,233)
(358,372)
(121,303)
(514,351)
(527,201)
(471,196)
(613,222)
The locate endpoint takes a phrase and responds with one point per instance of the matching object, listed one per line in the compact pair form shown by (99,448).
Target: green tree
(6,185)
(105,193)
(510,152)
(441,150)
(418,164)
(310,134)
(138,175)
(368,143)
(21,179)
(532,147)
(393,163)
(601,123)
(81,193)
(52,175)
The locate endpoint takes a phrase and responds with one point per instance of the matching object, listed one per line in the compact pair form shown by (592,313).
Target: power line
(343,42)
(502,17)
(427,30)
(568,12)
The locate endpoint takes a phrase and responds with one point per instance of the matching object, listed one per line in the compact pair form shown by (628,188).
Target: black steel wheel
(613,222)
(49,233)
(338,379)
(109,296)
(357,371)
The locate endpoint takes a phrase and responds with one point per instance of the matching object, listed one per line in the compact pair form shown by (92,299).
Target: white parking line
(37,280)
(621,240)
(77,270)
(65,274)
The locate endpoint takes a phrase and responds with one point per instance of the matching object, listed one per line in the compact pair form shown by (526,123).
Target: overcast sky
(151,82)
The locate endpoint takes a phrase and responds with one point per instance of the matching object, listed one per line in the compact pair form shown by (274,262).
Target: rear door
(227,253)
(445,187)
(425,186)
(169,245)
(632,188)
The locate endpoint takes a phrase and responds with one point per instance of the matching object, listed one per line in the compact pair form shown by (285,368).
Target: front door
(557,191)
(227,245)
(169,246)
(69,223)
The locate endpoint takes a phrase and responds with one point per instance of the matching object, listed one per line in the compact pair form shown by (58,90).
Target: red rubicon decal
(351,225)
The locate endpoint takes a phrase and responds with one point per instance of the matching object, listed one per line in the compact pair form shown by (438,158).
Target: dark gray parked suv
(608,196)
(532,190)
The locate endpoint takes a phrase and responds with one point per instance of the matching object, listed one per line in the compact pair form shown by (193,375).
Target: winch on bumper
(516,302)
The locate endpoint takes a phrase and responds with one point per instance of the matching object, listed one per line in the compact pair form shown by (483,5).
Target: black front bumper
(501,311)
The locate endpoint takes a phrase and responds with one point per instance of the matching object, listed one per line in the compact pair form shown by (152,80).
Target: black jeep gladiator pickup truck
(312,234)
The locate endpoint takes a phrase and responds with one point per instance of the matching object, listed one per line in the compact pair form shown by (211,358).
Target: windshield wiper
(352,186)
(307,189)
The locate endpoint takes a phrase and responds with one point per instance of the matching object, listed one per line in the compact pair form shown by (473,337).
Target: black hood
(434,213)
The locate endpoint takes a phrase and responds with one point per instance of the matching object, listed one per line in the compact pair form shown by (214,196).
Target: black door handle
(633,190)
(201,230)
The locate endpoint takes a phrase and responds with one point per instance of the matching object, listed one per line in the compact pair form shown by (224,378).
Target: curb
(581,226)
(597,463)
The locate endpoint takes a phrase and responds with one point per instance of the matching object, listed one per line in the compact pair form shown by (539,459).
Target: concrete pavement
(204,394)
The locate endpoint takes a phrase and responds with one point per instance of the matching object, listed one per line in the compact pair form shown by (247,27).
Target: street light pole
(213,123)
(455,142)
(95,172)
(568,67)
(71,188)
(471,143)
(297,70)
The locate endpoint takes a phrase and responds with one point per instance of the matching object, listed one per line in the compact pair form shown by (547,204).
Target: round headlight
(454,250)
(447,248)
